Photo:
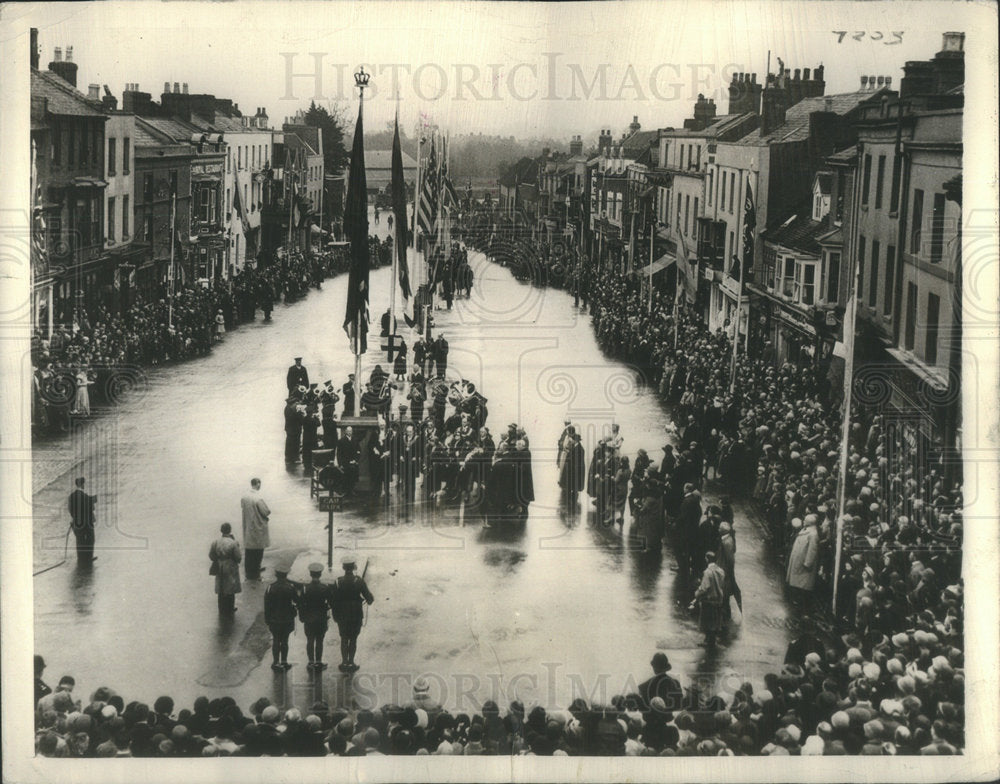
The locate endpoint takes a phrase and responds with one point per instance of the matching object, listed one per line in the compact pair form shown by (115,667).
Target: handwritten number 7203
(860,35)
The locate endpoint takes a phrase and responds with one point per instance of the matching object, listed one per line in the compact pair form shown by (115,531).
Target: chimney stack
(34,49)
(166,87)
(177,87)
(185,88)
(864,83)
(65,69)
(94,92)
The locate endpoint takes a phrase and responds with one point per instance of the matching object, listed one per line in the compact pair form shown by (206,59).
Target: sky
(523,69)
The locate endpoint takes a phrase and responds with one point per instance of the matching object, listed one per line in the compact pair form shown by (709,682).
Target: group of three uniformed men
(311,602)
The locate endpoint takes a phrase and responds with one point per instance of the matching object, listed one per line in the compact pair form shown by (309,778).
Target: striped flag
(427,210)
(749,226)
(39,252)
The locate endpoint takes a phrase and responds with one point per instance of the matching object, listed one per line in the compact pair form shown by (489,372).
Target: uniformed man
(297,376)
(347,602)
(280,601)
(314,604)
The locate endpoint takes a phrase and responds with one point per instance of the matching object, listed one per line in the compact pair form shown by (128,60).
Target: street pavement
(559,609)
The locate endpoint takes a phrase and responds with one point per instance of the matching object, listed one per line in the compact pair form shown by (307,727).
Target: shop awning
(89,182)
(657,266)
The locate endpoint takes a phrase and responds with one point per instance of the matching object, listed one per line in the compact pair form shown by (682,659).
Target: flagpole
(850,315)
(395,263)
(652,234)
(170,276)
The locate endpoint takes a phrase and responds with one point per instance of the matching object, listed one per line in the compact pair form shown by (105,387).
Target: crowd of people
(770,436)
(895,696)
(100,349)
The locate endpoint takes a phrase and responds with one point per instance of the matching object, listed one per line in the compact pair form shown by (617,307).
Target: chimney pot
(798,75)
(753,78)
(69,54)
(805,74)
(881,81)
(94,92)
(185,86)
(871,82)
(166,87)
(888,81)
(57,57)
(177,87)
(864,82)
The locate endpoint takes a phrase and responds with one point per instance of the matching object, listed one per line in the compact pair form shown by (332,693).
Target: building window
(228,208)
(111,218)
(894,193)
(695,212)
(788,277)
(833,278)
(239,157)
(879,181)
(147,188)
(933,314)
(112,143)
(71,147)
(83,144)
(125,217)
(805,283)
(204,207)
(126,154)
(96,145)
(866,181)
(916,220)
(687,214)
(732,190)
(873,283)
(861,268)
(818,207)
(911,316)
(150,224)
(173,182)
(890,278)
(937,229)
(56,144)
(722,201)
(709,189)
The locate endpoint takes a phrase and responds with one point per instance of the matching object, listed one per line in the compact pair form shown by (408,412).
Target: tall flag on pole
(356,228)
(427,210)
(399,210)
(39,252)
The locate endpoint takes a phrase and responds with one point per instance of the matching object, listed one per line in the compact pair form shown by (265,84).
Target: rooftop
(61,97)
(796,125)
(799,232)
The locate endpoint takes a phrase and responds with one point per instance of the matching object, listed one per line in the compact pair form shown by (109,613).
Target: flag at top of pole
(356,228)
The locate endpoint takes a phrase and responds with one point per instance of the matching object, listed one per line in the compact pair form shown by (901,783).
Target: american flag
(427,211)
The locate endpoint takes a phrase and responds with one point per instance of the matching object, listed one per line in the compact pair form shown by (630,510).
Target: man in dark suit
(348,390)
(441,356)
(661,685)
(687,529)
(81,511)
(298,376)
(347,458)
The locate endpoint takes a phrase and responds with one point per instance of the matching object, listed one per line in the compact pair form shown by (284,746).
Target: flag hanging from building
(749,226)
(399,211)
(427,208)
(356,229)
(39,251)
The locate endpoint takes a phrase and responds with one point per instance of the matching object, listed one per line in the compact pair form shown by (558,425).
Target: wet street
(560,609)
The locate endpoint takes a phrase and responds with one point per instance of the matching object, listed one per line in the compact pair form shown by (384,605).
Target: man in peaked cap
(314,604)
(297,376)
(280,601)
(348,596)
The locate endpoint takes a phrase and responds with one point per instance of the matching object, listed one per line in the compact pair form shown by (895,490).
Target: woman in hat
(226,555)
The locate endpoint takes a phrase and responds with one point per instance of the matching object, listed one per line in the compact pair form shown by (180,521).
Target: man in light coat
(225,554)
(803,561)
(255,529)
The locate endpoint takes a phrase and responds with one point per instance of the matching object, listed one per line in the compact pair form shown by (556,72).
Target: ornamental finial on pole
(361,80)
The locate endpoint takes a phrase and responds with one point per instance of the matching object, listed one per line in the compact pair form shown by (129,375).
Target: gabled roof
(61,97)
(307,133)
(825,180)
(638,143)
(799,232)
(295,142)
(796,125)
(172,127)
